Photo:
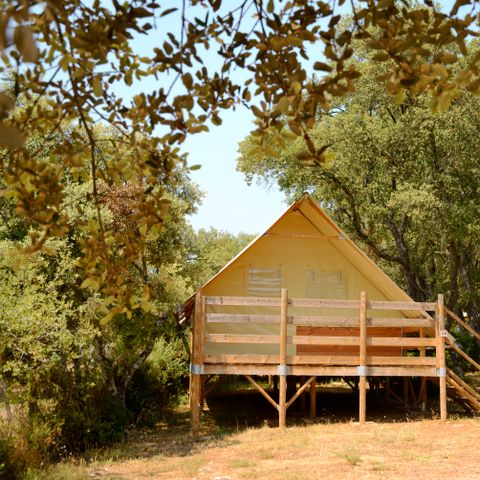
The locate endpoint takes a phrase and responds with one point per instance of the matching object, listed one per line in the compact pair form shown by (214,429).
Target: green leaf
(25,43)
(97,86)
(11,137)
(322,66)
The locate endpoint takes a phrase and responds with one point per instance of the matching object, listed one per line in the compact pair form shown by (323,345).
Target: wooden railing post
(196,366)
(422,394)
(282,367)
(362,369)
(441,364)
(313,398)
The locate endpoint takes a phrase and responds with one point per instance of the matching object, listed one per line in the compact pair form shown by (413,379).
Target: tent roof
(312,211)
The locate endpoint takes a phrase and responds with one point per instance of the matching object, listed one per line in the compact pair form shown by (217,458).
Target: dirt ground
(401,445)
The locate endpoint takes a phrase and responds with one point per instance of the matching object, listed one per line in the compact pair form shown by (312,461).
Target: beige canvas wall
(293,246)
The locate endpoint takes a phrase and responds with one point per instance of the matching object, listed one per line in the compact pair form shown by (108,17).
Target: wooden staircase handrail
(463,354)
(455,379)
(462,323)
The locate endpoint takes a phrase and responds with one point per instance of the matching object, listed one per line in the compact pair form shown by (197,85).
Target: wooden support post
(313,398)
(441,364)
(406,399)
(303,405)
(197,362)
(422,394)
(282,373)
(362,385)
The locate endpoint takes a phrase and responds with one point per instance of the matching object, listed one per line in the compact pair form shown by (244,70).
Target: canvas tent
(307,253)
(303,299)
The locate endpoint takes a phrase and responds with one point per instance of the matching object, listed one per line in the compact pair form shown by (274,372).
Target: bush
(160,383)
(10,464)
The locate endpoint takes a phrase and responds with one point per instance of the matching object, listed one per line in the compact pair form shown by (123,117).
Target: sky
(229,203)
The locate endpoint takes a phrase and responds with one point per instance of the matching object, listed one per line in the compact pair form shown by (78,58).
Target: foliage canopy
(66,61)
(399,178)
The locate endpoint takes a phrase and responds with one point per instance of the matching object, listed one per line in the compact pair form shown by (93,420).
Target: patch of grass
(409,437)
(351,458)
(293,476)
(265,454)
(62,471)
(242,463)
(420,458)
(249,474)
(378,466)
(191,465)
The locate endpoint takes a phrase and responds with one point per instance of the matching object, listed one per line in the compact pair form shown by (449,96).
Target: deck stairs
(461,392)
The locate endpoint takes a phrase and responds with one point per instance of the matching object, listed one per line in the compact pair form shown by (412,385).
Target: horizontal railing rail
(281,336)
(324,321)
(343,331)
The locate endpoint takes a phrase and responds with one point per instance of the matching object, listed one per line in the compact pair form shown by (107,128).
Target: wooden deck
(409,342)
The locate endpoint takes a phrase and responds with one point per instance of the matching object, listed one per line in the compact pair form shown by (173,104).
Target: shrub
(160,383)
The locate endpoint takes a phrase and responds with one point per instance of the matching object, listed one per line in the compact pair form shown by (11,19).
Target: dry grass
(394,446)
(420,449)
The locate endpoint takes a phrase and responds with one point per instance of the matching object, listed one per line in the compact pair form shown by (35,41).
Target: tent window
(320,284)
(264,282)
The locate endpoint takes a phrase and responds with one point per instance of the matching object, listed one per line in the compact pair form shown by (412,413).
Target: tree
(400,179)
(67,58)
(208,251)
(65,355)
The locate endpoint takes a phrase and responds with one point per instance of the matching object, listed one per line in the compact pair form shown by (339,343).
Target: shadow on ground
(237,407)
(246,407)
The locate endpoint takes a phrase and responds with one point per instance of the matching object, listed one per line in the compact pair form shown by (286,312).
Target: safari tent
(302,299)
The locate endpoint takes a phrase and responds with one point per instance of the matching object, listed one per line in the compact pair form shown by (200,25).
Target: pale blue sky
(229,203)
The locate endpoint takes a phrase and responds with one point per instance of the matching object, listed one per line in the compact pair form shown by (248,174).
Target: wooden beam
(282,401)
(340,321)
(197,357)
(323,371)
(240,338)
(262,391)
(314,303)
(362,385)
(403,306)
(441,364)
(241,369)
(245,301)
(464,355)
(321,340)
(371,341)
(300,391)
(464,385)
(315,320)
(400,322)
(320,360)
(462,323)
(304,236)
(402,371)
(320,370)
(245,359)
(422,393)
(313,398)
(243,318)
(401,342)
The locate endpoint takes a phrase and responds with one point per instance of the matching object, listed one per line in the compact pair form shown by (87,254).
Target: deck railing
(408,345)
